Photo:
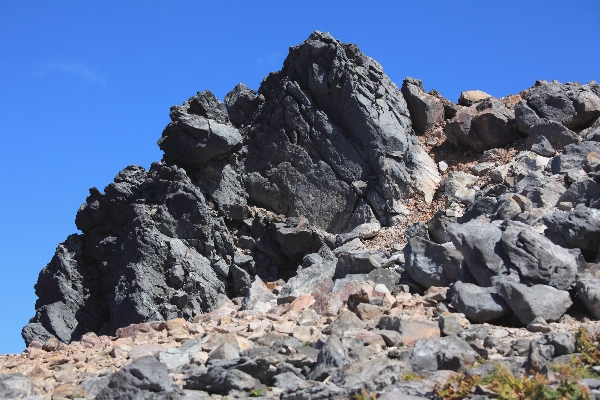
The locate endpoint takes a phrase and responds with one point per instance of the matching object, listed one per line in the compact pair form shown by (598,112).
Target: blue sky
(85,87)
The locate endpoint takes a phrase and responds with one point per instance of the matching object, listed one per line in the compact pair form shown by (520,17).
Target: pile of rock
(359,339)
(289,185)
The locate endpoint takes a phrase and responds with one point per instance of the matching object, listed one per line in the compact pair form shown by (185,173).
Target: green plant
(410,376)
(456,388)
(257,392)
(364,396)
(574,369)
(569,390)
(509,387)
(308,343)
(587,345)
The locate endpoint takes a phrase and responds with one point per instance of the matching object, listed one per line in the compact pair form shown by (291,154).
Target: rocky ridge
(316,205)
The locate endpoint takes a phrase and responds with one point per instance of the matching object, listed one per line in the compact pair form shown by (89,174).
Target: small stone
(542,146)
(225,352)
(303,334)
(539,324)
(53,344)
(449,325)
(368,312)
(565,206)
(145,350)
(442,166)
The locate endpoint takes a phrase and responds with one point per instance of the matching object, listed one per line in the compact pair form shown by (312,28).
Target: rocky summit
(333,236)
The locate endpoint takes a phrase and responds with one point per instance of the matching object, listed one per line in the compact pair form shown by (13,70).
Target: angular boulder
(538,260)
(450,352)
(199,133)
(480,244)
(557,135)
(425,110)
(479,304)
(431,264)
(482,126)
(579,228)
(572,104)
(531,302)
(588,290)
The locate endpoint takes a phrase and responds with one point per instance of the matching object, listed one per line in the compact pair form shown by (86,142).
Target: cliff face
(286,183)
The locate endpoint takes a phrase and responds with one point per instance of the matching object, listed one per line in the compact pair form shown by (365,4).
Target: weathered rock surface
(529,303)
(425,110)
(482,126)
(571,104)
(448,352)
(479,304)
(432,264)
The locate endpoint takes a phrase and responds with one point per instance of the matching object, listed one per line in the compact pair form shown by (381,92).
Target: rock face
(327,142)
(138,258)
(334,128)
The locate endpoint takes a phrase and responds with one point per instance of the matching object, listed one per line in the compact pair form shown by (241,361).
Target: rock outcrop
(326,147)
(330,234)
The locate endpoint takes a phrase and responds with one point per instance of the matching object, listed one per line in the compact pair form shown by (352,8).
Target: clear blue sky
(86,86)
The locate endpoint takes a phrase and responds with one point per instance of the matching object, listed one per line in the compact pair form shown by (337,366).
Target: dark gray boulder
(199,133)
(543,192)
(437,226)
(449,352)
(483,206)
(572,104)
(480,244)
(355,262)
(543,147)
(579,228)
(425,110)
(332,357)
(574,157)
(479,304)
(238,380)
(482,126)
(525,116)
(563,342)
(584,191)
(555,133)
(431,264)
(241,104)
(537,259)
(531,302)
(588,290)
(145,378)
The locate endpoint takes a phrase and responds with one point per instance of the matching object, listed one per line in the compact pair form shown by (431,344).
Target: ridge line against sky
(85,87)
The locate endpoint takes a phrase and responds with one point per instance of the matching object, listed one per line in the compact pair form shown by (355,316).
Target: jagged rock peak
(242,188)
(335,125)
